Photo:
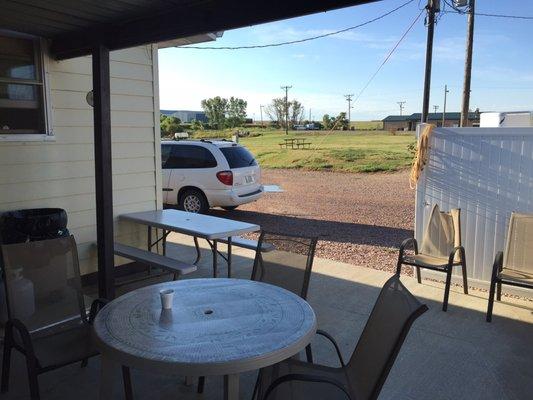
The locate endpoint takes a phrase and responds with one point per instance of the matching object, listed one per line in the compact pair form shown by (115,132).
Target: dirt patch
(360,219)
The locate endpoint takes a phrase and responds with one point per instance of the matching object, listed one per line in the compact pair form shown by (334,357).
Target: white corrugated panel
(487,173)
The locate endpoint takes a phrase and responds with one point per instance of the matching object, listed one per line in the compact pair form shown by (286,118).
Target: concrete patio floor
(452,355)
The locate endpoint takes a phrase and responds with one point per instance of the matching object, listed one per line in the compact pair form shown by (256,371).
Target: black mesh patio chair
(514,266)
(365,373)
(441,249)
(288,266)
(47,318)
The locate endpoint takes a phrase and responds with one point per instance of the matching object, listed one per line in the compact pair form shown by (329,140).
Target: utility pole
(261,111)
(286,88)
(468,65)
(349,100)
(401,104)
(433,7)
(310,120)
(446,91)
(435,108)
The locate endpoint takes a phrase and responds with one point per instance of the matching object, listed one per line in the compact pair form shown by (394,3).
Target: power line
(299,40)
(456,10)
(504,16)
(389,55)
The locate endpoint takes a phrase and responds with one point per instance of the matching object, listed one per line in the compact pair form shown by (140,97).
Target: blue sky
(322,71)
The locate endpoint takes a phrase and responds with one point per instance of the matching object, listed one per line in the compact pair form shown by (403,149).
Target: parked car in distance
(199,174)
(306,127)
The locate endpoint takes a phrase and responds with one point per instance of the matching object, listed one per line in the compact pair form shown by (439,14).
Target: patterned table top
(216,327)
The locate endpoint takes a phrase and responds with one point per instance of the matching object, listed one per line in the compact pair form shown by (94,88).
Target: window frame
(43,61)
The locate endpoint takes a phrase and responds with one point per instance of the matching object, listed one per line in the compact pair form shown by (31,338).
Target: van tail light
(226,177)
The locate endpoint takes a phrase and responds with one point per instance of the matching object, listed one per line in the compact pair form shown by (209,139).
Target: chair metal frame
(26,348)
(308,267)
(328,380)
(446,268)
(497,281)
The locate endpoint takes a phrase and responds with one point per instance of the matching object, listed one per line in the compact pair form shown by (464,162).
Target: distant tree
(277,112)
(223,113)
(215,109)
(327,122)
(169,125)
(197,125)
(236,112)
(296,112)
(341,122)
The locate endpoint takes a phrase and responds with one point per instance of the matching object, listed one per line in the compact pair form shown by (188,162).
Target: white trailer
(506,119)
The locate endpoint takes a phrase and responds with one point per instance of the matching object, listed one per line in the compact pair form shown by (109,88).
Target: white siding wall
(487,173)
(60,173)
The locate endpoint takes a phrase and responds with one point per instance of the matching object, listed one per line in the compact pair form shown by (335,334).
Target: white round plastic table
(215,327)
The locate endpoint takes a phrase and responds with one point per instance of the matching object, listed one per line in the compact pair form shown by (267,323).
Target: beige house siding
(60,173)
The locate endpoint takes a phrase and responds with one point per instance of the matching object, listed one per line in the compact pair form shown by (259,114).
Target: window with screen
(21,86)
(187,157)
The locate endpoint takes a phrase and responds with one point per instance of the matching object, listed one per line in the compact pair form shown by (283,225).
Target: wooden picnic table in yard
(295,143)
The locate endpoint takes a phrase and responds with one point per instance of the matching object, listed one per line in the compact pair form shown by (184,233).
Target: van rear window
(238,157)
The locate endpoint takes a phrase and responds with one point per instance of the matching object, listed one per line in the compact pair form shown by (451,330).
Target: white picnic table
(202,226)
(215,327)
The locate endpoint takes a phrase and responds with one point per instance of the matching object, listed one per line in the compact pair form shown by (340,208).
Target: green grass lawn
(350,151)
(368,125)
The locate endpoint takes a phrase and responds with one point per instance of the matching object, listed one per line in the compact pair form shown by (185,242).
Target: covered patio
(453,355)
(449,355)
(78,28)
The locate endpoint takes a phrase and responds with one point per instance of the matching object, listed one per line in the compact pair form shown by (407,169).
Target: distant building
(409,122)
(186,116)
(397,123)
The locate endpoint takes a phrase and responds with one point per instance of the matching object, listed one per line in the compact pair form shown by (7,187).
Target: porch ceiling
(74,26)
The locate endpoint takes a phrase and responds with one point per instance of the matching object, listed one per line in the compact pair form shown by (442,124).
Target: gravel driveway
(360,219)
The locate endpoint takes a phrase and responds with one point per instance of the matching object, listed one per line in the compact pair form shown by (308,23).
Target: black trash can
(32,225)
(29,225)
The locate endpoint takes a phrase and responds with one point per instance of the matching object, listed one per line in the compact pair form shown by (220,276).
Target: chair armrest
(27,344)
(305,378)
(456,249)
(407,242)
(330,338)
(96,306)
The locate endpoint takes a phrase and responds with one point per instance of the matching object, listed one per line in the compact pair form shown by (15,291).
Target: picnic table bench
(248,244)
(174,266)
(295,143)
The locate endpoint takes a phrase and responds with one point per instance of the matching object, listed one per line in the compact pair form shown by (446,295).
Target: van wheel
(194,201)
(229,208)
